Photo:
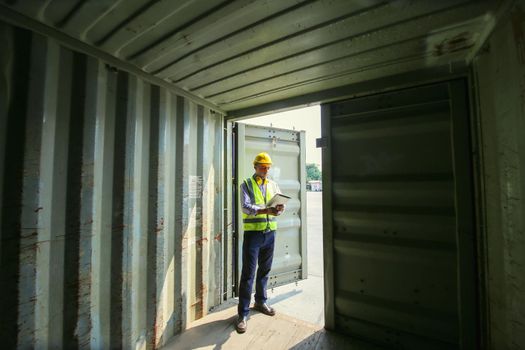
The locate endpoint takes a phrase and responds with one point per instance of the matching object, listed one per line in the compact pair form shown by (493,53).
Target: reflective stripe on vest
(262,221)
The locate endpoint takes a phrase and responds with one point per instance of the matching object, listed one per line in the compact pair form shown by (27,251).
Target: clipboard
(277,199)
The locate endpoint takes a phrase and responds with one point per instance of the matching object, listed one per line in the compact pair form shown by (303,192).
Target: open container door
(399,233)
(288,153)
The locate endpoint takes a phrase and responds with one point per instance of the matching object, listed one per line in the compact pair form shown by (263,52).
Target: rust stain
(458,42)
(218,237)
(200,302)
(160,226)
(200,242)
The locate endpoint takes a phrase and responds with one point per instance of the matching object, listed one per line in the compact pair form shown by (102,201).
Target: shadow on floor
(283,296)
(324,339)
(271,300)
(214,333)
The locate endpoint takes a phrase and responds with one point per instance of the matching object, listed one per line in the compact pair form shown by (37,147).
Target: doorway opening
(302,298)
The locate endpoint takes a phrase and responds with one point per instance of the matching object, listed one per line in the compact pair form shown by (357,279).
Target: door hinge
(321,142)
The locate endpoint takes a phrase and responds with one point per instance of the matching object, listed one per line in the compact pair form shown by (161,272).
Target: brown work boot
(264,308)
(241,323)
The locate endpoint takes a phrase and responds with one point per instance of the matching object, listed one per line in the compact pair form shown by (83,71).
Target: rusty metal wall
(499,71)
(111,202)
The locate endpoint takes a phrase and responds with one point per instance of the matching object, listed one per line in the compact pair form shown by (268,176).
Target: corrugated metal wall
(239,54)
(399,231)
(111,202)
(500,74)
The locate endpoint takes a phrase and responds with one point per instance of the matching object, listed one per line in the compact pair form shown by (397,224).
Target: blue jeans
(257,247)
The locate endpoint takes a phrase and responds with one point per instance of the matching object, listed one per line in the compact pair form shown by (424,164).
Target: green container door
(287,150)
(398,218)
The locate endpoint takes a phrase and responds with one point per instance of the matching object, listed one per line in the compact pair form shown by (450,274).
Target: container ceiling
(245,53)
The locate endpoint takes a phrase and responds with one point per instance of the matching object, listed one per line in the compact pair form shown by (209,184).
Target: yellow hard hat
(262,158)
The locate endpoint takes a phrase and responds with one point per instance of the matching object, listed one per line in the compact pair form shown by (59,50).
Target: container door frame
(239,161)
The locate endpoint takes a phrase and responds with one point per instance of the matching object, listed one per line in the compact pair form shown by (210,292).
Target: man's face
(262,170)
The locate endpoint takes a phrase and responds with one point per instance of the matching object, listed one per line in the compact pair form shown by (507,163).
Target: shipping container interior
(118,213)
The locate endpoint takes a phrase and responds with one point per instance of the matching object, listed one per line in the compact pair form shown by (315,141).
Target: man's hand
(268,211)
(278,210)
(272,211)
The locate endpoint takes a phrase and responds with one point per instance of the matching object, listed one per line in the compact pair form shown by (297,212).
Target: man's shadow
(211,333)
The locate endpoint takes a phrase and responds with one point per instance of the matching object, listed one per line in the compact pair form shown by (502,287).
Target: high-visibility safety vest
(260,222)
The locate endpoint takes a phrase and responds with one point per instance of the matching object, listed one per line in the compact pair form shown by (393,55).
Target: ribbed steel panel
(111,202)
(244,53)
(288,151)
(399,230)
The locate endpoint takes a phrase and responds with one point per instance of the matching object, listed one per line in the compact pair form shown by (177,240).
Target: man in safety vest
(259,225)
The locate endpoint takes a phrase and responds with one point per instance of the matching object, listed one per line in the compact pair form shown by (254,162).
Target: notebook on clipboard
(276,200)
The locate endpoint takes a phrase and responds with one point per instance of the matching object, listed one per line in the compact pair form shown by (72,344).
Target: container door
(287,150)
(398,218)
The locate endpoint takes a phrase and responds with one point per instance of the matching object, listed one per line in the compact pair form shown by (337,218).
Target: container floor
(217,331)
